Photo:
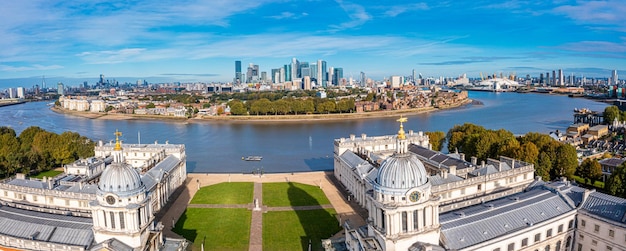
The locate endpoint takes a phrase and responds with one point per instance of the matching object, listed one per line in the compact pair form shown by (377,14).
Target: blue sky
(199,40)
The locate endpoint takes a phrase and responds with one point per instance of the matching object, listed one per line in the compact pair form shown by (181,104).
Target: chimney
(482,163)
(474,160)
(500,166)
(411,132)
(444,173)
(462,156)
(352,136)
(363,136)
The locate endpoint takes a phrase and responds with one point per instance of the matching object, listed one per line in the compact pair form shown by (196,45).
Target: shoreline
(262,118)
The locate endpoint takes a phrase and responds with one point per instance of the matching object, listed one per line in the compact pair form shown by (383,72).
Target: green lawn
(224,229)
(49,173)
(292,230)
(292,194)
(225,193)
(598,184)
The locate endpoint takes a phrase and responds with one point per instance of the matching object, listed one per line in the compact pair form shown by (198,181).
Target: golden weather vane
(118,145)
(401,131)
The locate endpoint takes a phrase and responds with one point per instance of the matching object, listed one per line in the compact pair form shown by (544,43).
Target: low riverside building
(106,202)
(420,199)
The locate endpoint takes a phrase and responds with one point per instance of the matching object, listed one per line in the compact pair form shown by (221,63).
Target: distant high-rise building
(614,77)
(253,73)
(554,78)
(322,72)
(295,68)
(237,72)
(337,75)
(305,69)
(288,72)
(60,89)
(561,78)
(363,79)
(20,92)
(281,75)
(12,93)
(306,83)
(101,82)
(330,76)
(264,77)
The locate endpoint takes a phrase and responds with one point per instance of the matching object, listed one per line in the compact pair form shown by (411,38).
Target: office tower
(237,71)
(337,75)
(561,79)
(20,92)
(541,78)
(101,80)
(321,73)
(287,72)
(295,68)
(314,72)
(614,77)
(275,76)
(281,75)
(363,78)
(12,92)
(330,76)
(413,76)
(253,73)
(547,78)
(554,78)
(264,77)
(306,83)
(60,89)
(305,70)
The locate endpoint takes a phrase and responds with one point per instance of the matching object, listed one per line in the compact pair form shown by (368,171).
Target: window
(611,233)
(525,242)
(511,247)
(415,217)
(580,247)
(547,248)
(549,233)
(480,186)
(67,202)
(404,222)
(34,197)
(537,237)
(582,223)
(558,246)
(463,191)
(560,228)
(596,228)
(608,248)
(594,242)
(582,237)
(571,224)
(112,219)
(496,249)
(122,225)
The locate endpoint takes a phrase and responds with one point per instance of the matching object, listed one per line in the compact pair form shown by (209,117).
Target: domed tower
(402,211)
(121,209)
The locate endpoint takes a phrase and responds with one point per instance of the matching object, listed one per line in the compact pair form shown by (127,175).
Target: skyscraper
(321,72)
(614,77)
(337,75)
(561,78)
(554,78)
(288,72)
(253,73)
(237,71)
(363,78)
(331,70)
(295,69)
(60,89)
(275,76)
(314,72)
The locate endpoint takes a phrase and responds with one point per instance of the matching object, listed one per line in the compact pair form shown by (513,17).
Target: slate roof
(476,224)
(614,162)
(438,180)
(435,158)
(606,206)
(151,177)
(24,224)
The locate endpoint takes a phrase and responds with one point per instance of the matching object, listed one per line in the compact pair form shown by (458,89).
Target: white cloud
(357,14)
(399,9)
(609,13)
(288,15)
(35,67)
(111,57)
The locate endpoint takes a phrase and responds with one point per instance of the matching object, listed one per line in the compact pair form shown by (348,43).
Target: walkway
(346,210)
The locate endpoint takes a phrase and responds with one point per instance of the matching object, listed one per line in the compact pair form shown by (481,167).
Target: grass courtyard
(223,228)
(292,230)
(225,193)
(49,173)
(292,194)
(229,228)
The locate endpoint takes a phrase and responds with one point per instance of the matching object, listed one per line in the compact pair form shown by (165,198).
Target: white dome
(402,171)
(120,179)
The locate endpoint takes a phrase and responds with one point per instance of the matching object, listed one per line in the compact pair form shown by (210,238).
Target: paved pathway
(346,210)
(256,224)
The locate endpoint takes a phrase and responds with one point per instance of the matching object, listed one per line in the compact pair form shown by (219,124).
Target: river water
(304,145)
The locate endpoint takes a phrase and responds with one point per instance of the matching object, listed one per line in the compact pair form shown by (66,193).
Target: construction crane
(481,77)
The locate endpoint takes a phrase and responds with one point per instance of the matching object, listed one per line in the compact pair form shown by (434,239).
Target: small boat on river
(252,158)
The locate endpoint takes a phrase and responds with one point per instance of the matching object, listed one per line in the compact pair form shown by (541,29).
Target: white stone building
(419,199)
(106,202)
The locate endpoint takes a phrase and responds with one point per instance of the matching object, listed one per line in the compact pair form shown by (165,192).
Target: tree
(611,113)
(150,105)
(220,110)
(543,167)
(590,170)
(437,139)
(297,106)
(237,107)
(261,106)
(281,106)
(566,162)
(615,184)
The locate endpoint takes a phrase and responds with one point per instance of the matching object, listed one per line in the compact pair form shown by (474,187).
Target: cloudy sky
(199,40)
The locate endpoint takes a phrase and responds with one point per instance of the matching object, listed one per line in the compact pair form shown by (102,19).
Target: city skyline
(199,41)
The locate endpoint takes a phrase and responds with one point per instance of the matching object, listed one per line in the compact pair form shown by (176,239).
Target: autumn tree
(437,139)
(590,170)
(615,184)
(611,113)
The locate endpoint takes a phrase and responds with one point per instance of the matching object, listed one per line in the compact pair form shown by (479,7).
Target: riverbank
(262,118)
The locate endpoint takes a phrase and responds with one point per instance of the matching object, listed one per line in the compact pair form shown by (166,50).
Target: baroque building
(420,199)
(106,202)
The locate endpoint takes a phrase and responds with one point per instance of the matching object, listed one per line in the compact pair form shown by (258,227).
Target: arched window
(405,227)
(547,248)
(558,246)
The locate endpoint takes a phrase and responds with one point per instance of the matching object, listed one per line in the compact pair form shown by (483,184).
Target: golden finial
(401,131)
(118,145)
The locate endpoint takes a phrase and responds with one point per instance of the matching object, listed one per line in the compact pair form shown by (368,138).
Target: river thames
(303,145)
